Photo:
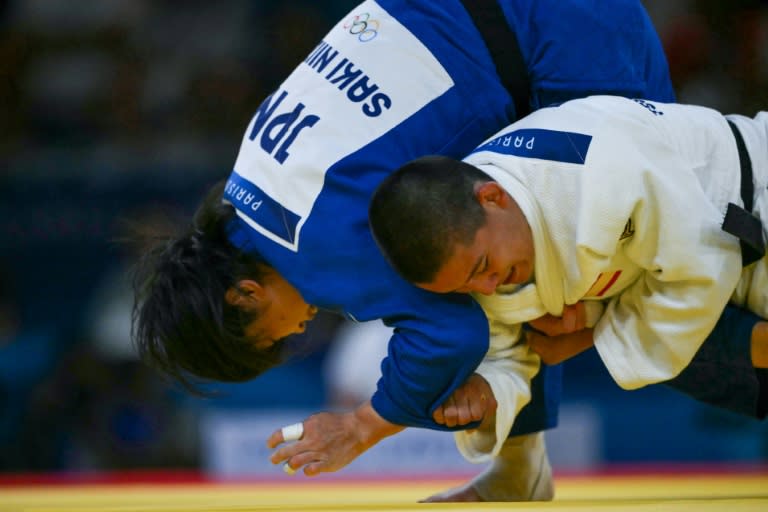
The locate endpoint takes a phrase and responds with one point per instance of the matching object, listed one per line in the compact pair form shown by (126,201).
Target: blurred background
(131,109)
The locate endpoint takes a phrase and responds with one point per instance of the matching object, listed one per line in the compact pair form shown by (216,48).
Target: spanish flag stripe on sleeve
(603,283)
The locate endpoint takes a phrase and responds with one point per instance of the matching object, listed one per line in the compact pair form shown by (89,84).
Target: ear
(246,294)
(490,192)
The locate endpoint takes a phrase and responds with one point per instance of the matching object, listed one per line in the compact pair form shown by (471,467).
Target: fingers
(548,324)
(467,404)
(311,469)
(450,410)
(574,318)
(293,432)
(458,409)
(275,439)
(294,456)
(477,409)
(312,463)
(469,411)
(315,468)
(286,434)
(289,433)
(439,415)
(327,442)
(450,413)
(284,453)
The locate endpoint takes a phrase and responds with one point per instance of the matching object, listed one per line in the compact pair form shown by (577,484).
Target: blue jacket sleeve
(430,354)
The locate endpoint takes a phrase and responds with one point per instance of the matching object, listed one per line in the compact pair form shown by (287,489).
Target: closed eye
(483,265)
(480,267)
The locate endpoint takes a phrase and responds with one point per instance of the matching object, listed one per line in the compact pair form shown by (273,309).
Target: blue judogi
(393,81)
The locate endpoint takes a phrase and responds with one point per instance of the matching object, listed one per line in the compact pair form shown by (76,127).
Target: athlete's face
(501,253)
(282,309)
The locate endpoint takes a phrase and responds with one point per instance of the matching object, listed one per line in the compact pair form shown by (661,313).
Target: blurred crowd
(126,85)
(130,109)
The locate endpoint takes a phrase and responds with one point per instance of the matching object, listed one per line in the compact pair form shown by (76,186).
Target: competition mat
(638,492)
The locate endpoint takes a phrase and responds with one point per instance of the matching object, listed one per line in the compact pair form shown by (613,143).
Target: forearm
(578,342)
(372,427)
(556,349)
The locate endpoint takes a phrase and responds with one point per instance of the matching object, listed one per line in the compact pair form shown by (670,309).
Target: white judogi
(625,200)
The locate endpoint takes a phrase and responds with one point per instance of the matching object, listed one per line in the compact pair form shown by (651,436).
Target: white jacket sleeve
(652,329)
(508,367)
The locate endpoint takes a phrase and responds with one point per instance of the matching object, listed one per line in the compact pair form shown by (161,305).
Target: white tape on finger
(288,469)
(293,432)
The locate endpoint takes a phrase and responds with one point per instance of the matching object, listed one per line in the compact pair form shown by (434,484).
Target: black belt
(504,48)
(740,222)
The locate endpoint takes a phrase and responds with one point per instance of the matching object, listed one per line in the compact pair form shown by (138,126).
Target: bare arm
(563,337)
(574,318)
(556,349)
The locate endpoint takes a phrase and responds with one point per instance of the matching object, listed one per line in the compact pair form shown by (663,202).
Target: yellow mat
(726,493)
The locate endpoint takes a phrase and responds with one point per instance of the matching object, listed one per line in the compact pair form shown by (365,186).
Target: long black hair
(182,323)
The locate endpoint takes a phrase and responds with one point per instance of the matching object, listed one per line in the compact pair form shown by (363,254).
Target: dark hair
(182,323)
(421,211)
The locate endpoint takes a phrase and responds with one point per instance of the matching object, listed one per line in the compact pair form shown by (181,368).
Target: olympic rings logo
(363,27)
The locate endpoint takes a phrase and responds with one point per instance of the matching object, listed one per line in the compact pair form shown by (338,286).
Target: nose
(485,285)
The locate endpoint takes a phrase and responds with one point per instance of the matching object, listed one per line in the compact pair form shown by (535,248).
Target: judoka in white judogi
(626,200)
